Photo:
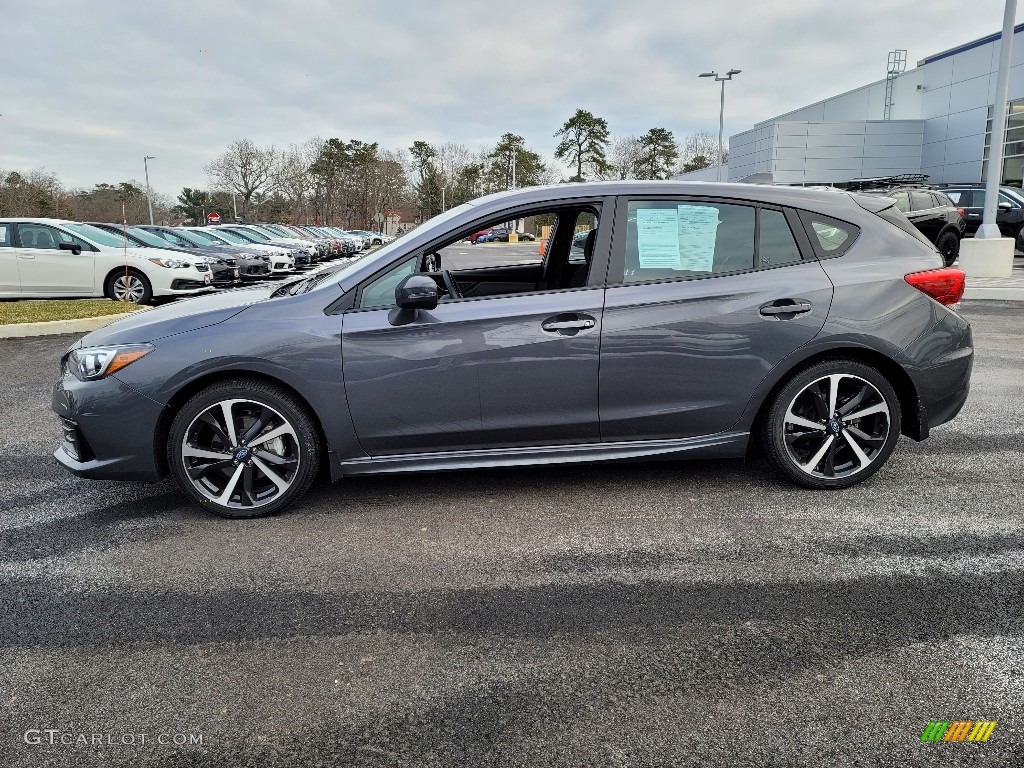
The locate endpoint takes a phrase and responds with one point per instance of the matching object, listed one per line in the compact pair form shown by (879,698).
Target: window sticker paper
(657,232)
(698,231)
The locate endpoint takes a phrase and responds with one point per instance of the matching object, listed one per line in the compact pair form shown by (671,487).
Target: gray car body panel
(388,373)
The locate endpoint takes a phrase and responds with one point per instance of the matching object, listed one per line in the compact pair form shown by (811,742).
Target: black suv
(930,210)
(970,199)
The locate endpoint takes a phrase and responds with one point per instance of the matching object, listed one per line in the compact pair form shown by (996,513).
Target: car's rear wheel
(131,286)
(243,448)
(948,245)
(832,424)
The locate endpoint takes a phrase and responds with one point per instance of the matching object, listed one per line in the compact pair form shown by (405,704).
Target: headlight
(172,263)
(88,363)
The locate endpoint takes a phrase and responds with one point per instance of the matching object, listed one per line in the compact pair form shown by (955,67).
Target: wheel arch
(914,423)
(190,388)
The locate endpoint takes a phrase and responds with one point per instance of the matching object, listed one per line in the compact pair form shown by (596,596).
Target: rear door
(10,282)
(926,215)
(46,270)
(705,297)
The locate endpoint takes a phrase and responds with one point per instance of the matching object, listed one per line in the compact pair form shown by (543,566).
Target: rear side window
(776,245)
(902,201)
(955,196)
(5,235)
(673,239)
(921,201)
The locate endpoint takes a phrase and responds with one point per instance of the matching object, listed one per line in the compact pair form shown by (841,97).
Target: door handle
(568,322)
(26,255)
(559,325)
(792,308)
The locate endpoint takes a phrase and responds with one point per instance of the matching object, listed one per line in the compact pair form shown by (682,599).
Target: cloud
(90,88)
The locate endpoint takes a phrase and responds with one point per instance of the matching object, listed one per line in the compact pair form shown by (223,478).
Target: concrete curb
(55,327)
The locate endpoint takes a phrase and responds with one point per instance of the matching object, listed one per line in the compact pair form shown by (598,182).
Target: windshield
(251,234)
(97,235)
(386,253)
(204,237)
(278,231)
(147,237)
(230,237)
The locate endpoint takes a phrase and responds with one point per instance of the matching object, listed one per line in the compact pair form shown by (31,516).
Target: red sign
(213,218)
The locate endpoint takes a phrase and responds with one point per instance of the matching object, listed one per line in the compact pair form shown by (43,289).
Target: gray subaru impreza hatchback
(658,320)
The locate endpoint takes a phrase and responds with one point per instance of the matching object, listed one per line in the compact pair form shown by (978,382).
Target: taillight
(946,286)
(962,212)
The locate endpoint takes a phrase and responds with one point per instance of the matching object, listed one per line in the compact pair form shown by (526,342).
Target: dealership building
(935,119)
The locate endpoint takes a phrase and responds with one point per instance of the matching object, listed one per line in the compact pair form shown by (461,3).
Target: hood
(179,316)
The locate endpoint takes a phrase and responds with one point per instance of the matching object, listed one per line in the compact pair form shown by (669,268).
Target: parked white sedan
(53,258)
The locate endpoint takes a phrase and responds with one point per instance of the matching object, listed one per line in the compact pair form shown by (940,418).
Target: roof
(756,192)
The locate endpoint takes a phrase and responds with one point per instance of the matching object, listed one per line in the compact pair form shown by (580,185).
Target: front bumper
(109,430)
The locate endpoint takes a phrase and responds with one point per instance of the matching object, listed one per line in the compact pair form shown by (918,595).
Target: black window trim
(349,302)
(618,255)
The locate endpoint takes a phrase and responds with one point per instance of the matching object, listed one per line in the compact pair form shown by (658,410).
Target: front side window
(381,291)
(38,236)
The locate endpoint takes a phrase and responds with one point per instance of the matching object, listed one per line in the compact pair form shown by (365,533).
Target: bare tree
(625,158)
(450,160)
(699,150)
(291,177)
(244,168)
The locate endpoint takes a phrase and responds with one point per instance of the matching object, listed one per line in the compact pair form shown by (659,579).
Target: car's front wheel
(129,286)
(832,425)
(243,448)
(948,245)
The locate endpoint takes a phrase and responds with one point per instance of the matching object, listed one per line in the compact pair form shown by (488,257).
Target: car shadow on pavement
(101,529)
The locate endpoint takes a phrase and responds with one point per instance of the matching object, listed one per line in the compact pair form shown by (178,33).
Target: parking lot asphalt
(649,614)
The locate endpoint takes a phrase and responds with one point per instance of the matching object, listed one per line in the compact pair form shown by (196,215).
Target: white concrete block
(987,258)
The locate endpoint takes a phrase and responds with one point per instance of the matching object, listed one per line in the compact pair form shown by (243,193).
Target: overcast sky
(88,88)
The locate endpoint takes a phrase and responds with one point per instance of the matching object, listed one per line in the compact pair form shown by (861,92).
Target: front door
(704,299)
(475,373)
(46,269)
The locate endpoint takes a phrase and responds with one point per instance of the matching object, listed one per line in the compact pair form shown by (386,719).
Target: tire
(140,289)
(948,245)
(255,477)
(795,432)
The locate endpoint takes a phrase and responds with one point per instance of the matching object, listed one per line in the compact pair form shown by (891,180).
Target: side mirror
(416,292)
(1004,206)
(75,248)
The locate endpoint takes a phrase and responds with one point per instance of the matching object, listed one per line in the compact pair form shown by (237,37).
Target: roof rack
(878,182)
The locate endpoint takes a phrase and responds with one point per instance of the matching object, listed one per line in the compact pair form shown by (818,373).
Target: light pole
(149,195)
(997,144)
(721,109)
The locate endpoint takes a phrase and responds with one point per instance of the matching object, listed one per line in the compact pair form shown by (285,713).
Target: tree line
(355,184)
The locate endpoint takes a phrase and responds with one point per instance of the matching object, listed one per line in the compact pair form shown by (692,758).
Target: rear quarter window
(830,237)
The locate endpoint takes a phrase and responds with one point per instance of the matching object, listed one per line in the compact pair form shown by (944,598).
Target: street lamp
(149,195)
(721,109)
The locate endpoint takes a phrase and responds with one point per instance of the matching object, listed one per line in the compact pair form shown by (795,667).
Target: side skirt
(722,445)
